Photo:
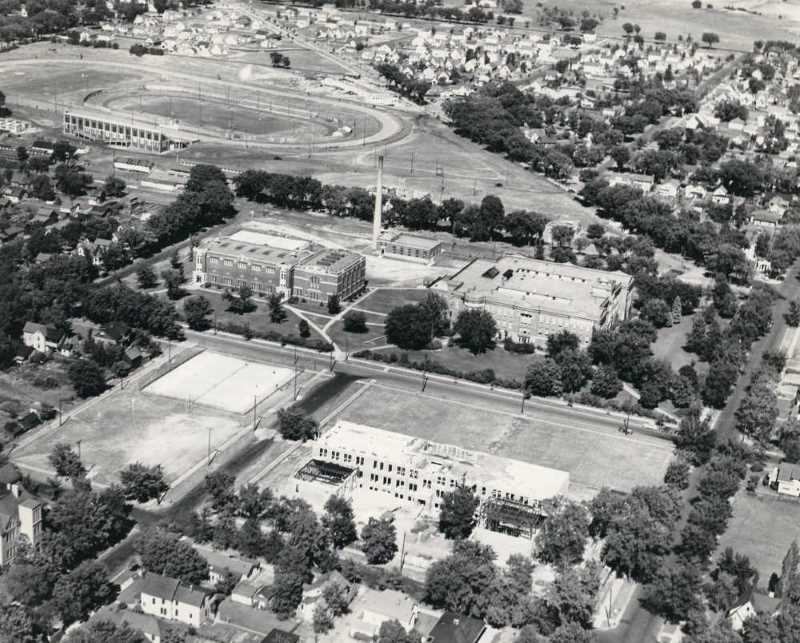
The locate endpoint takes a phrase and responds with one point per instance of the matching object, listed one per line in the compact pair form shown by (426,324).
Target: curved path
(392,128)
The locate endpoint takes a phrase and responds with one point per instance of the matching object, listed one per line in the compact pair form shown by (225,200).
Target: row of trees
(482,222)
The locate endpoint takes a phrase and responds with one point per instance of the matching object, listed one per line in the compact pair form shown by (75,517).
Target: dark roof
(455,628)
(280,636)
(50,334)
(160,586)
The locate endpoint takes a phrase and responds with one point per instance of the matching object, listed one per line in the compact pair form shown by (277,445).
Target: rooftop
(788,471)
(413,241)
(476,467)
(229,247)
(456,628)
(272,240)
(330,261)
(541,285)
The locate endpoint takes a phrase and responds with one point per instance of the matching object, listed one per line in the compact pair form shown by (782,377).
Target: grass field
(762,527)
(383,300)
(132,426)
(504,364)
(258,320)
(202,113)
(352,342)
(593,459)
(62,80)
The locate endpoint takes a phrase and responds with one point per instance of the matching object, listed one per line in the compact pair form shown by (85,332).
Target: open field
(762,527)
(223,382)
(61,81)
(204,112)
(129,426)
(383,300)
(592,456)
(303,60)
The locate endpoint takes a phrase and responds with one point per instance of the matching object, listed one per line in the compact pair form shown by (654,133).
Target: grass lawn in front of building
(669,343)
(258,319)
(383,300)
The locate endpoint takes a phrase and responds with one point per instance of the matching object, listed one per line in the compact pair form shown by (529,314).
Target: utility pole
(412,163)
(424,381)
(79,449)
(208,459)
(60,417)
(254,412)
(403,553)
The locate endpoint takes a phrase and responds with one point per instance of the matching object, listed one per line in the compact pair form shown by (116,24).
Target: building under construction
(420,472)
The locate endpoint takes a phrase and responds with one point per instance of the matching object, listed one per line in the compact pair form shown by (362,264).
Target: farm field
(762,528)
(591,455)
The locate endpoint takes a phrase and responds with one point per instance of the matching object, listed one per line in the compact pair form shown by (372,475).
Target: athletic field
(221,381)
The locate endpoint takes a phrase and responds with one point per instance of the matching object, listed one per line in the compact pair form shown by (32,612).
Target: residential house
(41,337)
(720,196)
(786,479)
(739,614)
(766,218)
(168,598)
(147,624)
(219,564)
(372,608)
(457,628)
(694,191)
(668,190)
(20,514)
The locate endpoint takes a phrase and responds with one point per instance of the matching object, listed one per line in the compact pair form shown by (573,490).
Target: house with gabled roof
(41,337)
(168,598)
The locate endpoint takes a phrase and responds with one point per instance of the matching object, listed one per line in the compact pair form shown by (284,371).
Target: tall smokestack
(376,218)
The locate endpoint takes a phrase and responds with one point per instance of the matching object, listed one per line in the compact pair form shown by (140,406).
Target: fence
(177,360)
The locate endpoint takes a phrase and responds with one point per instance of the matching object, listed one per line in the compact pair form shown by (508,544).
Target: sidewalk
(612,602)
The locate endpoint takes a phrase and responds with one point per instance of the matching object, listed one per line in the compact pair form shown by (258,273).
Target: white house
(166,598)
(41,337)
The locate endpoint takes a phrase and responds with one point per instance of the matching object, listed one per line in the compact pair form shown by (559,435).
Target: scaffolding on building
(511,516)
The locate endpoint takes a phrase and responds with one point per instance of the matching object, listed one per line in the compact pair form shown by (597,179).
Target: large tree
(142,483)
(18,625)
(476,330)
(379,541)
(460,582)
(86,377)
(457,513)
(197,310)
(338,520)
(543,377)
(163,552)
(293,424)
(65,461)
(562,538)
(409,327)
(81,591)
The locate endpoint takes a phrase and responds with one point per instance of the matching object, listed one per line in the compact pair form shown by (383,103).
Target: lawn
(383,300)
(762,527)
(352,342)
(258,320)
(670,341)
(591,455)
(505,365)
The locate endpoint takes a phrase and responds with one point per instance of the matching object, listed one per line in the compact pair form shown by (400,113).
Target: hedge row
(293,340)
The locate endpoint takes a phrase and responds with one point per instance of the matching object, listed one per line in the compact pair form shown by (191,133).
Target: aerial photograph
(399,321)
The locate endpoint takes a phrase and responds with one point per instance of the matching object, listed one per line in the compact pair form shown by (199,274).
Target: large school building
(127,132)
(269,263)
(420,472)
(531,299)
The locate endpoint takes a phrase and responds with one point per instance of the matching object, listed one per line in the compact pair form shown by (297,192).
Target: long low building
(270,263)
(420,472)
(531,299)
(128,132)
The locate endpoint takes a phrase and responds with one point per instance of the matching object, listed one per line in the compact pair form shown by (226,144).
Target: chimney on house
(376,218)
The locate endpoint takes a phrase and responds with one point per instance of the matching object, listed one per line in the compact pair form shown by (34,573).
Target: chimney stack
(376,218)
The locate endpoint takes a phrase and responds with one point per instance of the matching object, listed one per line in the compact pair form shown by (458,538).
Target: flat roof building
(272,263)
(410,247)
(420,472)
(129,132)
(530,299)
